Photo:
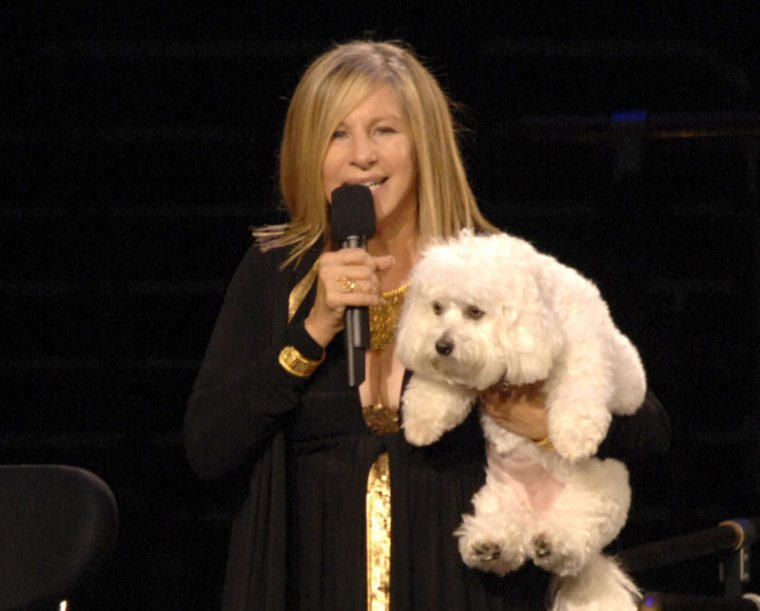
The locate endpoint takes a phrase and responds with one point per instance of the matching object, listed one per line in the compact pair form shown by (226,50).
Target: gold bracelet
(545,444)
(296,363)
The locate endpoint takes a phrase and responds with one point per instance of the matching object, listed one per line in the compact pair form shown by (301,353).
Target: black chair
(58,526)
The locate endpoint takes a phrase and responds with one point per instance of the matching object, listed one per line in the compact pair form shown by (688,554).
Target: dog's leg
(588,515)
(430,408)
(598,373)
(630,378)
(495,537)
(575,433)
(577,396)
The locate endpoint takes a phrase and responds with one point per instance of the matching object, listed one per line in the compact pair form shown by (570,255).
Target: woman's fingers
(347,284)
(519,409)
(347,278)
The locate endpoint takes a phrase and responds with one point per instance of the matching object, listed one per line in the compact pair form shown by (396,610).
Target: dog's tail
(601,585)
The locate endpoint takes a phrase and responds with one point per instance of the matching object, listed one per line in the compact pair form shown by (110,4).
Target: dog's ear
(531,344)
(408,335)
(530,339)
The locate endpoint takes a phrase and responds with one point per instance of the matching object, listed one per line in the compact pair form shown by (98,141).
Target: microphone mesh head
(353,212)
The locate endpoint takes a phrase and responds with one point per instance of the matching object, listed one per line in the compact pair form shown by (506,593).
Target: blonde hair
(330,88)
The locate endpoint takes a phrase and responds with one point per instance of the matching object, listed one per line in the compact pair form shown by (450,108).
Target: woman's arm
(241,391)
(522,410)
(644,433)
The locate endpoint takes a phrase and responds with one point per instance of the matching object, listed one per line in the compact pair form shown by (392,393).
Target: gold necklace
(384,318)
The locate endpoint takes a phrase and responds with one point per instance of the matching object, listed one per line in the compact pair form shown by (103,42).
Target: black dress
(298,539)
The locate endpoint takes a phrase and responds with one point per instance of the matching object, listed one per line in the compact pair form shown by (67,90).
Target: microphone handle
(357,328)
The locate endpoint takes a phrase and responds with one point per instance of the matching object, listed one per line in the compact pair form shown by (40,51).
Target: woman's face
(373,146)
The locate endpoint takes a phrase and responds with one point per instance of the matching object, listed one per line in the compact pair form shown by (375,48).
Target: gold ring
(349,284)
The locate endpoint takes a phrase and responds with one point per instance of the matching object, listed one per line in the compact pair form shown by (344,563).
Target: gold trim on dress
(300,290)
(379,535)
(381,419)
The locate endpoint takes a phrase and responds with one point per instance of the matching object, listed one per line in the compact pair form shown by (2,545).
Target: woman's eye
(337,135)
(474,312)
(384,130)
(437,308)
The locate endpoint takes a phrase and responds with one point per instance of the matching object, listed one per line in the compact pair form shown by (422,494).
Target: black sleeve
(645,433)
(241,391)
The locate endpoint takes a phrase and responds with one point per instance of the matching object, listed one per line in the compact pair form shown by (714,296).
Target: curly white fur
(483,310)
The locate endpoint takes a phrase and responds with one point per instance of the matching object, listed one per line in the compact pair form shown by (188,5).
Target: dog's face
(474,315)
(450,338)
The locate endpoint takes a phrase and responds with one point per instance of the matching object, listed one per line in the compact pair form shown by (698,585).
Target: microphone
(353,223)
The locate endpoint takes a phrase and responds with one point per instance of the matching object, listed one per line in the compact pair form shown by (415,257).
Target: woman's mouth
(373,185)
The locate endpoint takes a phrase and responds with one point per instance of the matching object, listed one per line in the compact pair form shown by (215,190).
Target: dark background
(138,145)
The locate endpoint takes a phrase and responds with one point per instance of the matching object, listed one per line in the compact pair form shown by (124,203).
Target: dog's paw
(556,555)
(576,436)
(489,555)
(542,547)
(421,433)
(430,408)
(486,551)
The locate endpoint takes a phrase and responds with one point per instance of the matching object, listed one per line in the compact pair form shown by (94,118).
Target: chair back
(58,524)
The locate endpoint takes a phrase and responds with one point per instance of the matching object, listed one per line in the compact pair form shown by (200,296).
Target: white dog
(484,310)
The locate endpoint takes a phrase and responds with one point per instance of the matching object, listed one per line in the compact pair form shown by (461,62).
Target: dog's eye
(474,312)
(437,308)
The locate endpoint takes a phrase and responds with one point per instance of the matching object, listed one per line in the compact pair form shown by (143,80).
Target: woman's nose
(363,152)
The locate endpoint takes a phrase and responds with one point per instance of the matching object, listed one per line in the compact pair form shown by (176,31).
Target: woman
(341,513)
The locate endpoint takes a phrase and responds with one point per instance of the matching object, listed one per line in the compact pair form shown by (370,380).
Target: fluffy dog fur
(483,310)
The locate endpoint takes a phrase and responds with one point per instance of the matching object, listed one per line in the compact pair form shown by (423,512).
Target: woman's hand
(347,277)
(519,409)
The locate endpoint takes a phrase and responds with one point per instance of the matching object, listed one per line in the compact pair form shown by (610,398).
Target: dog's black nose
(444,346)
